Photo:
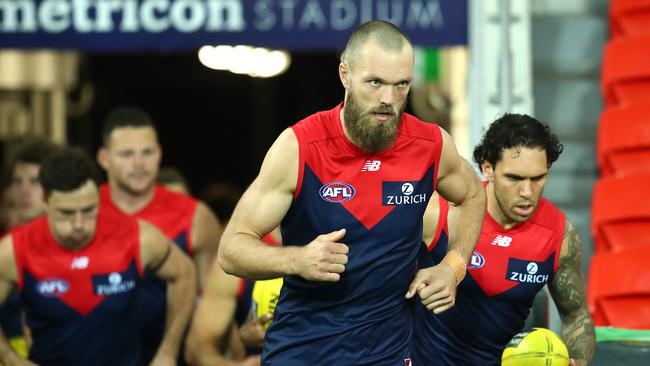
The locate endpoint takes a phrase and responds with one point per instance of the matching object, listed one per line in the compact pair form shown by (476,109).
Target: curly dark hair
(516,130)
(66,170)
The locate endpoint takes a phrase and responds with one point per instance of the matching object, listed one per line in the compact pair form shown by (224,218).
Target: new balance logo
(79,263)
(502,241)
(371,166)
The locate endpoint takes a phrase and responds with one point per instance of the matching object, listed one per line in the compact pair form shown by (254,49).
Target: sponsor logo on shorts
(337,192)
(52,287)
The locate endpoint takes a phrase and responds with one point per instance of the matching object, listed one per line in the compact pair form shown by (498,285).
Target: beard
(365,131)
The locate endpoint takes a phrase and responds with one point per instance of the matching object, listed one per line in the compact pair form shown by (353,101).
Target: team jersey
(507,269)
(363,319)
(80,305)
(173,214)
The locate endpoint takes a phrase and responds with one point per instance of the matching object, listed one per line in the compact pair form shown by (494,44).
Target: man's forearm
(579,336)
(465,225)
(202,261)
(181,293)
(246,256)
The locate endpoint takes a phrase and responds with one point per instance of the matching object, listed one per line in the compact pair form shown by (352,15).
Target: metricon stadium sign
(229,20)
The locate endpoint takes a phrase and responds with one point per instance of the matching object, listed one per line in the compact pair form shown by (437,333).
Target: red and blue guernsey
(363,319)
(507,269)
(80,305)
(173,214)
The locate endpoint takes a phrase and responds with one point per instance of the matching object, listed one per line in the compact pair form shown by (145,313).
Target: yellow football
(537,347)
(265,296)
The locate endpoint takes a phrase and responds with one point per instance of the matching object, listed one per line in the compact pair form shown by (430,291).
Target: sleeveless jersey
(363,319)
(173,214)
(507,269)
(80,305)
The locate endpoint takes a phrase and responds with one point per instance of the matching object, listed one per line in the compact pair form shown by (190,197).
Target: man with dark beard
(349,187)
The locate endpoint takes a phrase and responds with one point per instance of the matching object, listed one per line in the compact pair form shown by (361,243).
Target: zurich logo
(477,261)
(337,192)
(114,278)
(52,287)
(407,189)
(532,268)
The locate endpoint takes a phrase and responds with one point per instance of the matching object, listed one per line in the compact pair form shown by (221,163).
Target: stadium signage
(173,24)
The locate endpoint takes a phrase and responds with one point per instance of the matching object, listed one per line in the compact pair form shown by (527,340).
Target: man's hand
(436,287)
(252,331)
(323,259)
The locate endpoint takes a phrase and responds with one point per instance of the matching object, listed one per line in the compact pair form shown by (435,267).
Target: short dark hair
(125,116)
(387,35)
(32,150)
(66,170)
(517,130)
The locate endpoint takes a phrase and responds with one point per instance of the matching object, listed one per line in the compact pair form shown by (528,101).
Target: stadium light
(252,61)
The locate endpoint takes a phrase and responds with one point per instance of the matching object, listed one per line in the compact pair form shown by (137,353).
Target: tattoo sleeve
(568,292)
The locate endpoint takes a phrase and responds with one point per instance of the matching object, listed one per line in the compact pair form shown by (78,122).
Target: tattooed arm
(568,292)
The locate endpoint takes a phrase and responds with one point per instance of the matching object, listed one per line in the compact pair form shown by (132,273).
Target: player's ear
(344,74)
(102,157)
(488,170)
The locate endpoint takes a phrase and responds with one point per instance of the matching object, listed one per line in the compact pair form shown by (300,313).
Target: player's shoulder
(415,127)
(549,215)
(148,232)
(114,223)
(173,202)
(318,126)
(36,228)
(6,243)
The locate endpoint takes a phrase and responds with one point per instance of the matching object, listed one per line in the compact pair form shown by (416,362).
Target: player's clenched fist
(323,259)
(436,287)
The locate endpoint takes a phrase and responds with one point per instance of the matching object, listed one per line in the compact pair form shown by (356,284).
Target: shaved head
(389,37)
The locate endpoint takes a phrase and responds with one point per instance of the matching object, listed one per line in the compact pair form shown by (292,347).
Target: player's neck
(129,202)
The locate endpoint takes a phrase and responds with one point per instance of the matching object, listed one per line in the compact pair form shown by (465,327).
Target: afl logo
(477,261)
(337,192)
(407,189)
(53,287)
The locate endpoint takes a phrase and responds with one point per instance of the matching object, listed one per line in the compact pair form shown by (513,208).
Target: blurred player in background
(131,156)
(78,270)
